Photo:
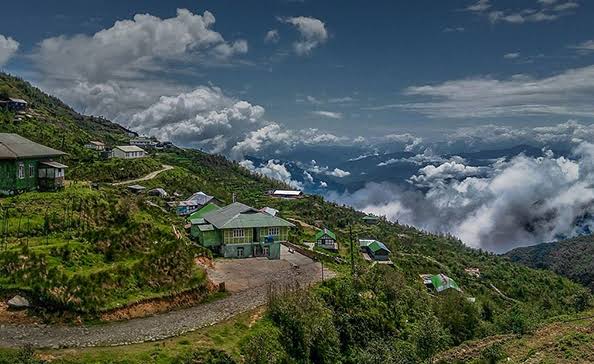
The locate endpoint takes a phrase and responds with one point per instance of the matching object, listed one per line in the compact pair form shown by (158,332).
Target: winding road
(145,178)
(293,269)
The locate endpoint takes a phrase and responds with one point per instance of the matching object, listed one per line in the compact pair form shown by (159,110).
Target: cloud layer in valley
(522,201)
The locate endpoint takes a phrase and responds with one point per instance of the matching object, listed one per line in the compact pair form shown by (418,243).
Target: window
(273,231)
(237,233)
(21,171)
(31,170)
(240,252)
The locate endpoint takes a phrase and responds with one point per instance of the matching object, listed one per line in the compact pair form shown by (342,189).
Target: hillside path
(293,269)
(145,178)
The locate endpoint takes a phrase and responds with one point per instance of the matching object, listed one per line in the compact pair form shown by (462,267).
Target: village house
(198,214)
(195,202)
(376,250)
(28,166)
(440,282)
(14,104)
(326,239)
(371,219)
(128,152)
(95,145)
(240,231)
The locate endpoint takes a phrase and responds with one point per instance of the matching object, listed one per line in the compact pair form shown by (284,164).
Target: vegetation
(86,250)
(573,258)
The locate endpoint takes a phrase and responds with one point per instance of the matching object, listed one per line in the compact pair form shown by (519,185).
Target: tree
(430,337)
(262,345)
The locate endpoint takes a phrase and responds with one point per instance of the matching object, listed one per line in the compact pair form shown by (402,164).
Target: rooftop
(14,146)
(129,148)
(238,215)
(287,192)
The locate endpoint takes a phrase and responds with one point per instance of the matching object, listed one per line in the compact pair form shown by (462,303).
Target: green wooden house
(240,231)
(326,239)
(28,166)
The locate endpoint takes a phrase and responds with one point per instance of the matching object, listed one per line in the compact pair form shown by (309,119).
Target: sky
(216,74)
(280,79)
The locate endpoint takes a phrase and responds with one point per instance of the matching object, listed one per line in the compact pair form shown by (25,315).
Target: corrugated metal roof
(287,192)
(373,245)
(197,221)
(207,227)
(21,101)
(54,164)
(14,146)
(203,211)
(129,148)
(200,198)
(238,215)
(323,232)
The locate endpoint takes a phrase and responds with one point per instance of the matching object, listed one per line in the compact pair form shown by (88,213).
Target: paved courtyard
(242,274)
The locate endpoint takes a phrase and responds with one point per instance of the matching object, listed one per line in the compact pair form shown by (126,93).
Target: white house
(95,145)
(128,152)
(287,193)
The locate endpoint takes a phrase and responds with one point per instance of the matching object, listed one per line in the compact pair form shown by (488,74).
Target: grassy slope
(568,339)
(541,294)
(573,258)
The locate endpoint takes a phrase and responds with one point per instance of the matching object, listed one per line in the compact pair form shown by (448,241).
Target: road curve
(156,327)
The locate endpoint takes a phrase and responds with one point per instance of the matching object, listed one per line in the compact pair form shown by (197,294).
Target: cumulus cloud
(8,47)
(328,114)
(119,70)
(546,11)
(312,32)
(273,138)
(273,169)
(272,36)
(336,172)
(567,93)
(523,201)
(205,117)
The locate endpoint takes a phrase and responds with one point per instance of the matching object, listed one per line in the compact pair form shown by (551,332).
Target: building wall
(248,235)
(10,182)
(232,250)
(117,153)
(208,238)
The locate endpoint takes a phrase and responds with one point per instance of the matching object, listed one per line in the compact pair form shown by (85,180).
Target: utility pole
(352,250)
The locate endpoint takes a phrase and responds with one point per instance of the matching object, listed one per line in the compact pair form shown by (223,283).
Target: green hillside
(84,250)
(573,258)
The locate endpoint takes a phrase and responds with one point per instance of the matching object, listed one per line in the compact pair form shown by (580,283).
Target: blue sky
(363,69)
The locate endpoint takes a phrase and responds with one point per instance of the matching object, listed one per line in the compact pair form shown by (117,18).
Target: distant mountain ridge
(572,258)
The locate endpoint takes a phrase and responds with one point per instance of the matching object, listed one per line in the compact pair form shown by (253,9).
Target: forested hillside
(573,258)
(83,250)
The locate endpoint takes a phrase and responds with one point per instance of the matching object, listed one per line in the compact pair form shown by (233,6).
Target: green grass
(224,336)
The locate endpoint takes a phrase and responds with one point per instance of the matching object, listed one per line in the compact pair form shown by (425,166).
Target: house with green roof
(241,231)
(326,239)
(376,250)
(28,166)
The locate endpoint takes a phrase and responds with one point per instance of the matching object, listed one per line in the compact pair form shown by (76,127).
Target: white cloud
(520,202)
(587,46)
(123,69)
(547,11)
(8,47)
(272,36)
(336,172)
(567,93)
(312,31)
(273,169)
(511,55)
(204,117)
(328,114)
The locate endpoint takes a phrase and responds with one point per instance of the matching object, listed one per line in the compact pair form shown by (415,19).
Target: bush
(262,345)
